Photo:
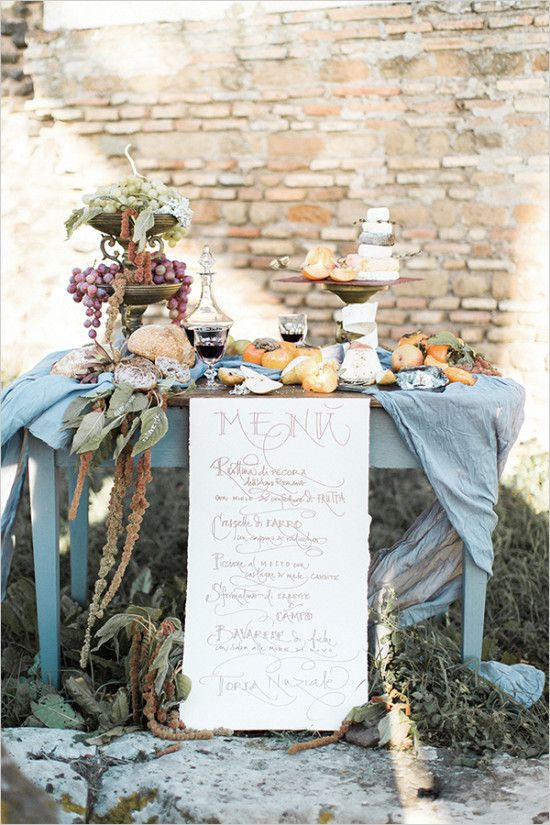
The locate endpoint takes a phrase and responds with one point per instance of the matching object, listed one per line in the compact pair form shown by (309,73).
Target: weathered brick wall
(19,20)
(283,128)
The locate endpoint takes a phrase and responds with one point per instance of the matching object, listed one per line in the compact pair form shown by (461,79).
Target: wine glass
(293,327)
(209,343)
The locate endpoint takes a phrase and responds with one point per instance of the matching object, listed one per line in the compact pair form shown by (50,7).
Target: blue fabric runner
(461,438)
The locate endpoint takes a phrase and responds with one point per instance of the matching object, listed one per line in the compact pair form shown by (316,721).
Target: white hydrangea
(180,209)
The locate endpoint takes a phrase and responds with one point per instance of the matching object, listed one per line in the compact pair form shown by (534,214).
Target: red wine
(190,335)
(210,352)
(293,337)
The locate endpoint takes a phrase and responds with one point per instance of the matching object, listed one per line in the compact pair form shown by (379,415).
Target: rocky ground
(254,780)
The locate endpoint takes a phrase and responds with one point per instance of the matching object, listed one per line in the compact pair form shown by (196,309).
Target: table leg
(44,500)
(474,586)
(78,530)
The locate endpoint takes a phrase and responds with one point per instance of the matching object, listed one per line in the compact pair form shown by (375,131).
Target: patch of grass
(451,706)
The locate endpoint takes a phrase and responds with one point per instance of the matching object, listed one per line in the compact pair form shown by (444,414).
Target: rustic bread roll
(154,341)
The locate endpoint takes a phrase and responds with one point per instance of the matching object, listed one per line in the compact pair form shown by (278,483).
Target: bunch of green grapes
(137,193)
(133,191)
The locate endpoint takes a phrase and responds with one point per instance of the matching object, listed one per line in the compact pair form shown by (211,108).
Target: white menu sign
(276,616)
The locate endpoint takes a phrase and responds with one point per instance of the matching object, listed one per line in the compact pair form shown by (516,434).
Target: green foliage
(154,425)
(54,712)
(450,705)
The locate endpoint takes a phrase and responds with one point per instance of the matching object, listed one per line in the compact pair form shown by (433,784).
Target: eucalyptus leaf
(394,728)
(76,408)
(120,400)
(104,737)
(446,338)
(139,402)
(112,628)
(165,385)
(81,693)
(142,583)
(90,433)
(120,709)
(104,451)
(144,221)
(152,614)
(183,686)
(79,217)
(54,712)
(161,663)
(154,425)
(369,712)
(123,439)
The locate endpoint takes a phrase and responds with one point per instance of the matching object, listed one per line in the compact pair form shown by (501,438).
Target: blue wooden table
(387,450)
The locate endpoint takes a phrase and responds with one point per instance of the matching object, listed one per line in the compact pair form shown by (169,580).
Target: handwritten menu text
(276,613)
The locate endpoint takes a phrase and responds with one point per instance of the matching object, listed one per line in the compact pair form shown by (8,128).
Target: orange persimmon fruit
(253,354)
(415,338)
(438,351)
(277,359)
(457,375)
(430,361)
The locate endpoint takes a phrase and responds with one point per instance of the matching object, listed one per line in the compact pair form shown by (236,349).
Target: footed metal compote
(137,297)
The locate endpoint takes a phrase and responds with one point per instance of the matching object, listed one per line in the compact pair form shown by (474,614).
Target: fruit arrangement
(373,261)
(146,198)
(458,360)
(91,288)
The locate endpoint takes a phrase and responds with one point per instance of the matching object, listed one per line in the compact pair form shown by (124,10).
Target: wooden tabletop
(182,399)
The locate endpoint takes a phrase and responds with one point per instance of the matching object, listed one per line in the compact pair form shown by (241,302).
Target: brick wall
(283,128)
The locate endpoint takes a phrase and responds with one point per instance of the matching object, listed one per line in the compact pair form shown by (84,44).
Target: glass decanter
(207,313)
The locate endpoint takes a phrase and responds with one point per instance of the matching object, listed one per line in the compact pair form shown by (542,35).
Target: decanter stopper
(206,260)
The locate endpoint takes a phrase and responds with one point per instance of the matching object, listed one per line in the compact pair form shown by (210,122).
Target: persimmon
(438,351)
(316,272)
(415,338)
(430,361)
(277,359)
(343,274)
(253,354)
(256,350)
(458,375)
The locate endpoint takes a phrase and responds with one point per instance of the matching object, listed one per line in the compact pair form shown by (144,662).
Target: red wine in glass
(190,335)
(210,343)
(210,352)
(293,337)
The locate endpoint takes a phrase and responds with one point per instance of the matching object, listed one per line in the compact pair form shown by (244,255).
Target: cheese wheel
(377,237)
(377,226)
(368,250)
(377,276)
(380,213)
(380,264)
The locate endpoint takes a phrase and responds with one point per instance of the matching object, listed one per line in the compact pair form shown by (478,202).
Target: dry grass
(451,706)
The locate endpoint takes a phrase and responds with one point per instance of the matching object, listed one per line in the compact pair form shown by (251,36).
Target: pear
(238,346)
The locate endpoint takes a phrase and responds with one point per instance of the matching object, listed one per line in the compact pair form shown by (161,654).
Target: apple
(406,357)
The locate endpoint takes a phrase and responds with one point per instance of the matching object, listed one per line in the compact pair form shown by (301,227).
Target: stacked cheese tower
(376,241)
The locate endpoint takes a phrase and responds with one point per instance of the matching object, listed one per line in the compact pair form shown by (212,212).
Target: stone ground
(254,780)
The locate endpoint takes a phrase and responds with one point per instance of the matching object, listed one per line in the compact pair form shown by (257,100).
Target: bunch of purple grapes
(171,272)
(87,286)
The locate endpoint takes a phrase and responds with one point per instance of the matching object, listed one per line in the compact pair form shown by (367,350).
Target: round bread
(73,362)
(156,341)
